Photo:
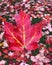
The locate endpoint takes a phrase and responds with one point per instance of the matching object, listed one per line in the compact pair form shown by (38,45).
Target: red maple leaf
(23,35)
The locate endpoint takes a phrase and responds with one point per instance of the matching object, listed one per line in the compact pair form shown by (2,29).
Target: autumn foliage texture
(23,35)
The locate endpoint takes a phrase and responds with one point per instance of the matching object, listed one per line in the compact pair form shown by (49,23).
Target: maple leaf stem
(23,31)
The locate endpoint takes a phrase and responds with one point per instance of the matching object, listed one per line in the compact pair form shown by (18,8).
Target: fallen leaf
(23,35)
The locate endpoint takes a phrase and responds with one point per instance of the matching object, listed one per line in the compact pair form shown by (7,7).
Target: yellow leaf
(1,44)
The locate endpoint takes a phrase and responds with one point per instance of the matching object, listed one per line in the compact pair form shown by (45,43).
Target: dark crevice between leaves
(50,33)
(7,63)
(7,17)
(42,40)
(0,0)
(35,20)
(29,62)
(35,52)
